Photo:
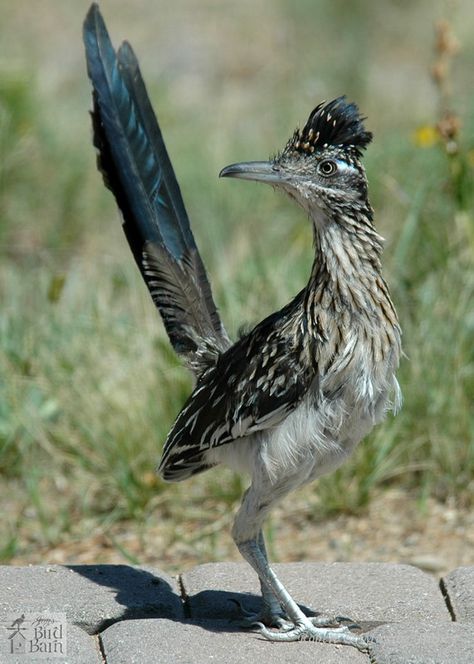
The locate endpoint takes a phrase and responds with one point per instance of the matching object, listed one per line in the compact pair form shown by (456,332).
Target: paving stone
(91,596)
(369,593)
(168,642)
(81,648)
(423,643)
(459,587)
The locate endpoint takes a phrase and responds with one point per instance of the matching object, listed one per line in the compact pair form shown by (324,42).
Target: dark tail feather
(134,162)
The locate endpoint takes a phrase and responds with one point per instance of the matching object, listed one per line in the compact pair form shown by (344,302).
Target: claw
(350,623)
(333,621)
(282,624)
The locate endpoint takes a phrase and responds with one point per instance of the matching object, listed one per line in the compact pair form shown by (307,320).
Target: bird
(19,621)
(290,399)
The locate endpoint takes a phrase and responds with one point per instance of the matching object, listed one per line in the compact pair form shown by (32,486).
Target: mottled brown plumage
(291,399)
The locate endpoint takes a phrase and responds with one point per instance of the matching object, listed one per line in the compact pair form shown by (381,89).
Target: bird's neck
(346,274)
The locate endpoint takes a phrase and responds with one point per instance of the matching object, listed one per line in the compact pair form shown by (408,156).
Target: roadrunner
(290,400)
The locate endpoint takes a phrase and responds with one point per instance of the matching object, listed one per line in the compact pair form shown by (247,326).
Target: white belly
(318,435)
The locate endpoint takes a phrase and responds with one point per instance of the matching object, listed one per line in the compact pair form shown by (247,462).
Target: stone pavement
(120,614)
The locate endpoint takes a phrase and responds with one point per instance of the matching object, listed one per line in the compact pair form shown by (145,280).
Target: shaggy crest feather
(333,124)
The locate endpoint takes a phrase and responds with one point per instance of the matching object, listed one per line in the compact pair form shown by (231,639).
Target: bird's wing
(136,167)
(254,386)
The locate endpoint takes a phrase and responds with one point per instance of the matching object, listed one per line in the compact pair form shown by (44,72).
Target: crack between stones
(184,598)
(100,646)
(447,599)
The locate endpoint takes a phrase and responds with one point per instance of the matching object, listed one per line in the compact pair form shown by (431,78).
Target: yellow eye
(327,167)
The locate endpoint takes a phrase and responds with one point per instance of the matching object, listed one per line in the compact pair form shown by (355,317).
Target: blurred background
(88,384)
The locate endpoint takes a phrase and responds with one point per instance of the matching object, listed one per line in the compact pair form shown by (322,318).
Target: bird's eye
(327,167)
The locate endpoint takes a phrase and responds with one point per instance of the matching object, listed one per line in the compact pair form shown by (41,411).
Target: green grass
(89,385)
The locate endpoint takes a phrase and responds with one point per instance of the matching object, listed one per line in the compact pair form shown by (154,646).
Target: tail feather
(136,167)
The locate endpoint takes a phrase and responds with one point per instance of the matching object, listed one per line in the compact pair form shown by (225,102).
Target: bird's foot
(271,616)
(305,630)
(268,617)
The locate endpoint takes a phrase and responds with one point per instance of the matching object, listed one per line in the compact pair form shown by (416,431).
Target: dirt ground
(434,537)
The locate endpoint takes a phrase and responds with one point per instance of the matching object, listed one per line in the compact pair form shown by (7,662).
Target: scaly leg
(246,533)
(303,628)
(271,613)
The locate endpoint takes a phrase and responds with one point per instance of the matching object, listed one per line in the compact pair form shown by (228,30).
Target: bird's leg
(271,613)
(303,628)
(246,533)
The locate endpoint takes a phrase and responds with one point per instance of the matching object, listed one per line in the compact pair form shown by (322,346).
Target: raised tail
(135,165)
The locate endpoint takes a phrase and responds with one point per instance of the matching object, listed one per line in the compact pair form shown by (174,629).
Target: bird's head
(321,165)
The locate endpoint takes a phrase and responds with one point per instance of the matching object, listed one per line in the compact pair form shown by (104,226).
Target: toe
(333,621)
(306,631)
(252,619)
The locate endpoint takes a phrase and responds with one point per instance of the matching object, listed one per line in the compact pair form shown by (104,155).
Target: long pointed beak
(261,171)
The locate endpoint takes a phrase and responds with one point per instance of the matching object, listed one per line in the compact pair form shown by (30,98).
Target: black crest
(336,123)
